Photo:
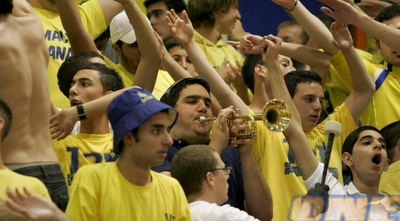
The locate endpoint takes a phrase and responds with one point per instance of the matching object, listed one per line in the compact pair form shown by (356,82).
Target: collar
(384,201)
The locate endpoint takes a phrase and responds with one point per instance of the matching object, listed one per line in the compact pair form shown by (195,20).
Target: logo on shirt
(346,207)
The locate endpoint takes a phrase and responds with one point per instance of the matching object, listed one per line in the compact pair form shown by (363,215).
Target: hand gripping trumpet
(275,115)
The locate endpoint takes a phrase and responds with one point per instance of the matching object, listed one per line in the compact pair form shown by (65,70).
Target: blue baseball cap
(132,108)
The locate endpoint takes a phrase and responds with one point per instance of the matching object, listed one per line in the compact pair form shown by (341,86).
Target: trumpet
(276,117)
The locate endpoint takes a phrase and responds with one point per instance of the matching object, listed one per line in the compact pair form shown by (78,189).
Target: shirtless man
(23,85)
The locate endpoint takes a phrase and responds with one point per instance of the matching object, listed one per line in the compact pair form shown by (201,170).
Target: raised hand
(343,12)
(62,123)
(341,35)
(7,214)
(224,70)
(249,44)
(34,207)
(181,28)
(270,47)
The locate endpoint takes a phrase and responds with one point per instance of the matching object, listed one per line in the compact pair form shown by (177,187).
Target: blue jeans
(52,177)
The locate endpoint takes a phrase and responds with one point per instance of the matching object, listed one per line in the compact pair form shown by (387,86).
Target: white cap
(121,29)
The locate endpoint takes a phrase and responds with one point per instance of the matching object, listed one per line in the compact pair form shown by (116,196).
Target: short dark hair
(190,165)
(104,35)
(348,146)
(120,145)
(293,78)
(177,5)
(201,11)
(6,7)
(391,134)
(110,79)
(71,66)
(352,138)
(5,113)
(171,96)
(172,43)
(388,13)
(248,69)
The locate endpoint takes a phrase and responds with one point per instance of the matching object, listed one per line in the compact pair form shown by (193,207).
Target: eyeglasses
(227,170)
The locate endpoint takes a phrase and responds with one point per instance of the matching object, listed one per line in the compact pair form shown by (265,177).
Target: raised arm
(182,31)
(362,84)
(150,49)
(346,13)
(78,36)
(318,61)
(110,9)
(294,134)
(311,24)
(62,123)
(177,72)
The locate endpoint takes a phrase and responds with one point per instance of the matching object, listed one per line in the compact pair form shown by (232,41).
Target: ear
(117,49)
(209,179)
(347,159)
(128,139)
(387,165)
(260,70)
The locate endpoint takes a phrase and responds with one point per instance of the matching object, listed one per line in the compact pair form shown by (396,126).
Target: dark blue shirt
(230,157)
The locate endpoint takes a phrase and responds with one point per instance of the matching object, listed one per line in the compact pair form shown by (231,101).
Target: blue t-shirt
(230,157)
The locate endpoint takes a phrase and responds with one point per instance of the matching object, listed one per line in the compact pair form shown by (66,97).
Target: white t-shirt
(205,211)
(347,202)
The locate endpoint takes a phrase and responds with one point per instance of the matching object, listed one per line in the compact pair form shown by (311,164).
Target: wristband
(81,112)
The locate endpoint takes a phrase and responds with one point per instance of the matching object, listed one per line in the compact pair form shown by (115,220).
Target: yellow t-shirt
(127,77)
(215,54)
(58,44)
(18,181)
(390,180)
(279,168)
(338,87)
(80,149)
(163,80)
(383,108)
(101,192)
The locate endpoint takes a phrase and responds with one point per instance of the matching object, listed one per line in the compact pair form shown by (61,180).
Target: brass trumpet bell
(276,117)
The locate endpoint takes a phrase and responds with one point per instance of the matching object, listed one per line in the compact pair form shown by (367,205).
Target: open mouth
(376,159)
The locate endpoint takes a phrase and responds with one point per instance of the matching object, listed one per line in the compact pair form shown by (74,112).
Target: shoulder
(100,169)
(164,179)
